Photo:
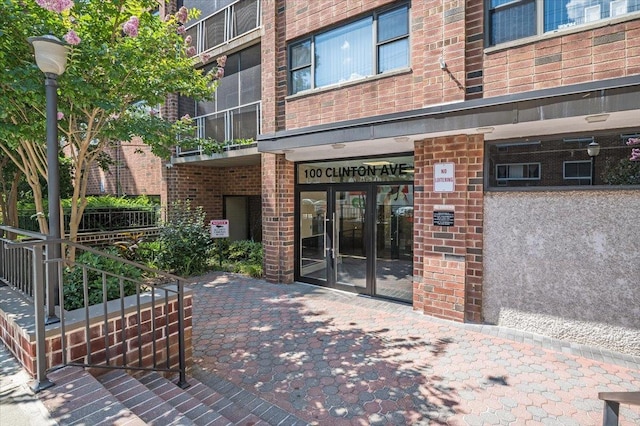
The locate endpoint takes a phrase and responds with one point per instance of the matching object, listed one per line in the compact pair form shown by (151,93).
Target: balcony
(238,127)
(233,22)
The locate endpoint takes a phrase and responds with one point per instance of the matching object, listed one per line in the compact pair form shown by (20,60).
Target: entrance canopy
(593,106)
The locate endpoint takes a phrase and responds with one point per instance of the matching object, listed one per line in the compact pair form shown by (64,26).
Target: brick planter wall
(19,336)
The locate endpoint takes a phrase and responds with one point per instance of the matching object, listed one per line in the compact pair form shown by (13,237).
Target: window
(528,171)
(578,171)
(515,19)
(371,45)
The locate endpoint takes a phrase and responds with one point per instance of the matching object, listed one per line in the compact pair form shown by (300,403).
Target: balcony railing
(242,123)
(226,24)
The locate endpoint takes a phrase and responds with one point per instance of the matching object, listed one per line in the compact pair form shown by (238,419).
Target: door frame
(369,230)
(368,238)
(332,183)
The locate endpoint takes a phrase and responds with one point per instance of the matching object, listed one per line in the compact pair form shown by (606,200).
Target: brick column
(448,259)
(278,218)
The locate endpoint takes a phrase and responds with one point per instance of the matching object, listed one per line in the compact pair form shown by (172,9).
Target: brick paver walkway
(332,358)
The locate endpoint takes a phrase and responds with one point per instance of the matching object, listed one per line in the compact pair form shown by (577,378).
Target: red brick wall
(596,54)
(136,171)
(274,81)
(448,260)
(474,49)
(206,186)
(22,343)
(432,35)
(278,218)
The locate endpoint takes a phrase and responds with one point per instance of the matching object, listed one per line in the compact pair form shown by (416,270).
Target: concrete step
(230,397)
(77,398)
(219,409)
(142,401)
(184,402)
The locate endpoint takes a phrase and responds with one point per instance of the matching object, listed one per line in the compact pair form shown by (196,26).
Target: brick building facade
(134,170)
(362,104)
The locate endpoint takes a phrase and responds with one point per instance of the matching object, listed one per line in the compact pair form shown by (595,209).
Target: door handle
(335,236)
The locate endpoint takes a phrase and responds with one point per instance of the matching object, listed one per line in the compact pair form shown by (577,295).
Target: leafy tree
(124,61)
(9,187)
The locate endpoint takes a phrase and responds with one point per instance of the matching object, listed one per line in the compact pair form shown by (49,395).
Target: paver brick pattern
(332,358)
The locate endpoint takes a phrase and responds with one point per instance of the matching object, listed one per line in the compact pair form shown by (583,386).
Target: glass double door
(357,238)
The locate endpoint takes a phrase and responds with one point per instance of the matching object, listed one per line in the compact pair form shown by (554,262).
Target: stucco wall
(565,265)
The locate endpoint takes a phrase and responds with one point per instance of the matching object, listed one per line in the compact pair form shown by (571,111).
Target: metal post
(593,170)
(611,413)
(53,186)
(182,382)
(42,382)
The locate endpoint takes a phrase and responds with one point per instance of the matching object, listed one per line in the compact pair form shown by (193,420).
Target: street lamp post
(51,58)
(593,149)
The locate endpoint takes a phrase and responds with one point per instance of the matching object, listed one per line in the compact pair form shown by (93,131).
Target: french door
(357,237)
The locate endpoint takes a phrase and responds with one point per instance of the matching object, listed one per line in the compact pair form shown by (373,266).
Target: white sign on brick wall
(444,177)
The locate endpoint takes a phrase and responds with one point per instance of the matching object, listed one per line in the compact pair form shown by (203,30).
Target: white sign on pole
(219,228)
(444,178)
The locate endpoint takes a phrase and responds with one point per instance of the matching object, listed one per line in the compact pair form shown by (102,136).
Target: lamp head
(51,54)
(593,149)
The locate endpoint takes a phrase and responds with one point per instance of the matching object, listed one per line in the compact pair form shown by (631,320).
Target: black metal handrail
(101,219)
(612,401)
(16,265)
(161,294)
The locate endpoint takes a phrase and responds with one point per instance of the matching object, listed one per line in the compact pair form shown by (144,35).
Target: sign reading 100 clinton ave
(389,169)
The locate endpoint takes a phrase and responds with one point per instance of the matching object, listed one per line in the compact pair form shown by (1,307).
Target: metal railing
(16,266)
(230,125)
(19,256)
(225,24)
(612,401)
(108,219)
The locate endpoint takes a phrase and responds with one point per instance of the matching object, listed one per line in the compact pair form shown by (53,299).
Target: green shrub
(184,240)
(623,172)
(245,250)
(251,269)
(128,246)
(73,279)
(141,202)
(242,257)
(148,252)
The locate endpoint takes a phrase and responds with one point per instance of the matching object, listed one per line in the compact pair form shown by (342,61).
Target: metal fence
(95,220)
(25,266)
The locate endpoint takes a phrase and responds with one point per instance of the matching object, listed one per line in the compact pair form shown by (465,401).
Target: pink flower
(191,50)
(182,15)
(130,27)
(635,154)
(58,6)
(204,57)
(181,30)
(188,39)
(60,115)
(633,141)
(222,60)
(219,73)
(186,117)
(72,38)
